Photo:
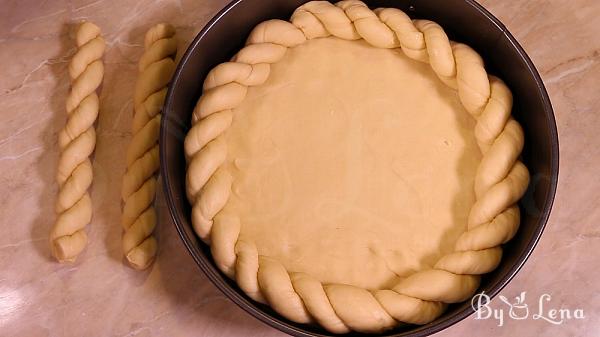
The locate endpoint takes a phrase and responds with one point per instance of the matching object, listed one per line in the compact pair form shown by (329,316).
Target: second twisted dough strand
(156,67)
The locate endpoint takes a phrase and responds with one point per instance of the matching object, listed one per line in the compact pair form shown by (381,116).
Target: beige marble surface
(100,296)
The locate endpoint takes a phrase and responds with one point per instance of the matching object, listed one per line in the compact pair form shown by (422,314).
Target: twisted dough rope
(77,141)
(500,181)
(156,68)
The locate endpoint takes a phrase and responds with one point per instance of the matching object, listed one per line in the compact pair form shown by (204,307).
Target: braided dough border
(500,181)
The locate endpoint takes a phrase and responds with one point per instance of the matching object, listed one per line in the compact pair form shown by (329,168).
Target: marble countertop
(100,296)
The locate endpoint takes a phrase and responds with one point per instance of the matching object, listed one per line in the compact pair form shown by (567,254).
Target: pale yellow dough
(156,67)
(352,171)
(354,168)
(77,141)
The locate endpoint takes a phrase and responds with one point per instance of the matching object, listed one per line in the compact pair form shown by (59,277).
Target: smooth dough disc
(352,171)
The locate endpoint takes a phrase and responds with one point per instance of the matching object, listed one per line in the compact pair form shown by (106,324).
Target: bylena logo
(519,309)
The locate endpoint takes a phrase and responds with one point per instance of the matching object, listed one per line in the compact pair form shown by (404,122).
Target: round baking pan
(464,21)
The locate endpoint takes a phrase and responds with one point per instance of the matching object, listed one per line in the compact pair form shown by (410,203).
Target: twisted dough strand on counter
(77,141)
(500,181)
(156,67)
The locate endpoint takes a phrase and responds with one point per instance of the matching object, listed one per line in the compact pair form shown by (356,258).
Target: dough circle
(499,181)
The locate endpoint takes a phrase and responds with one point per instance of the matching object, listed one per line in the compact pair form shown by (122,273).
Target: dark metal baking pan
(464,21)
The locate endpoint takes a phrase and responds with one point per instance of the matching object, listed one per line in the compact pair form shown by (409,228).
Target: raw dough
(285,152)
(156,68)
(77,141)
(360,180)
